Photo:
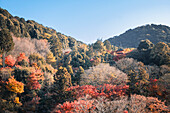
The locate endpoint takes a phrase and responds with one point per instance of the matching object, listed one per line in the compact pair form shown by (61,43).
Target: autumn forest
(45,71)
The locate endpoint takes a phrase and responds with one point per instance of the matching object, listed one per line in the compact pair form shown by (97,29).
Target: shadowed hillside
(132,37)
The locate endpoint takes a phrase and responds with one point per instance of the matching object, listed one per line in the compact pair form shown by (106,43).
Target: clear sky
(88,20)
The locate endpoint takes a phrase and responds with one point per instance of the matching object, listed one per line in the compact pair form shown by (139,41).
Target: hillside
(132,37)
(22,28)
(44,71)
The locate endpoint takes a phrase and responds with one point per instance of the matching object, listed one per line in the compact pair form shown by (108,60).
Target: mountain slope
(22,28)
(132,37)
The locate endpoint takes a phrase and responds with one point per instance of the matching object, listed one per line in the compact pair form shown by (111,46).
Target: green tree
(6,43)
(70,70)
(160,54)
(56,47)
(99,46)
(62,79)
(107,44)
(35,58)
(77,76)
(68,60)
(90,53)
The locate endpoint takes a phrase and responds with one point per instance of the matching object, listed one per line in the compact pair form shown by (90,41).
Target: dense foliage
(148,53)
(6,43)
(48,72)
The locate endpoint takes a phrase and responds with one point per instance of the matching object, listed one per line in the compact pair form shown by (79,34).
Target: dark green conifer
(6,43)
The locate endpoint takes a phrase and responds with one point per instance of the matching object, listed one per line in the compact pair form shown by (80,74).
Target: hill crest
(132,37)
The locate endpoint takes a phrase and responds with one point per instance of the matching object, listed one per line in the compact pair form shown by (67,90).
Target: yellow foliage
(50,58)
(16,100)
(35,66)
(53,60)
(114,76)
(47,35)
(15,86)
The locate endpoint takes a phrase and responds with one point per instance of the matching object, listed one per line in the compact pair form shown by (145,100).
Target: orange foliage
(18,66)
(80,106)
(106,90)
(17,101)
(155,105)
(125,111)
(6,68)
(33,80)
(10,61)
(22,57)
(35,66)
(155,89)
(14,86)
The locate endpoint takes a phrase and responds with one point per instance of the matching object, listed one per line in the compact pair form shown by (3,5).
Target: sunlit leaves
(14,86)
(78,106)
(22,57)
(10,61)
(103,74)
(33,80)
(106,90)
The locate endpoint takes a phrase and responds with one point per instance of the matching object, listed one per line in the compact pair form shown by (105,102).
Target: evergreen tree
(107,44)
(90,53)
(70,70)
(56,47)
(6,43)
(62,79)
(77,76)
(99,46)
(68,60)
(160,54)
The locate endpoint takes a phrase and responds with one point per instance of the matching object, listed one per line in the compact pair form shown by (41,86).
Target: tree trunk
(3,59)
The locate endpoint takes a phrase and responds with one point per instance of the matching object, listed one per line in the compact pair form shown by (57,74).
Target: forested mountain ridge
(22,28)
(132,37)
(43,71)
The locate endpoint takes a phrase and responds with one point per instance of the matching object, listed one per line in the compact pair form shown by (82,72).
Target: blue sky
(88,20)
